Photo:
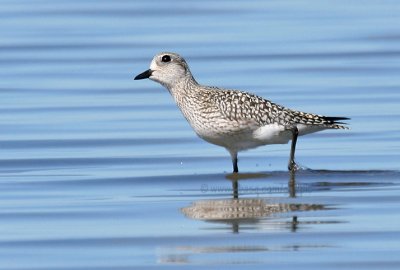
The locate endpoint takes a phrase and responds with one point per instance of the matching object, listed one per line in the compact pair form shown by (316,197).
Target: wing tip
(336,120)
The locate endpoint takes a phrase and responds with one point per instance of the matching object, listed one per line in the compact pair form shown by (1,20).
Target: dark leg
(295,223)
(292,165)
(292,184)
(235,188)
(235,166)
(234,161)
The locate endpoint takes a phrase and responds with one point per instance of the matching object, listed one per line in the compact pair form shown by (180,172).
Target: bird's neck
(186,94)
(186,86)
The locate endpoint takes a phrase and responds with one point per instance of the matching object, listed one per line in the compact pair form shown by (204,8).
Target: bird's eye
(166,58)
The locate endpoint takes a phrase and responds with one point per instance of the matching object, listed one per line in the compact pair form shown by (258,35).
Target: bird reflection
(292,184)
(235,178)
(244,211)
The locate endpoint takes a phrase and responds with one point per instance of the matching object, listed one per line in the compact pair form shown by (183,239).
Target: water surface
(99,171)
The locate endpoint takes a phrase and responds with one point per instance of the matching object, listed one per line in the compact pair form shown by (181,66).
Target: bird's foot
(292,166)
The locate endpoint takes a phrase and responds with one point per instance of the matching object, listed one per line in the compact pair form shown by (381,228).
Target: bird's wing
(242,106)
(298,117)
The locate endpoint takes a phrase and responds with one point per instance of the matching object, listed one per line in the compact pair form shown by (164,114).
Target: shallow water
(99,171)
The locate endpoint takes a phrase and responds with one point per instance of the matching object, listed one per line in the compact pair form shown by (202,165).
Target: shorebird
(233,119)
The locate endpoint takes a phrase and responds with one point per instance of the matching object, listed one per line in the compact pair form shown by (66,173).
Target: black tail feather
(334,120)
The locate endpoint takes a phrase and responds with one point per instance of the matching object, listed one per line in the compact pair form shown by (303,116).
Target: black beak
(144,75)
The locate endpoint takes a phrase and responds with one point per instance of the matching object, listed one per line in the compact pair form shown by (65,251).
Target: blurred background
(86,152)
(67,86)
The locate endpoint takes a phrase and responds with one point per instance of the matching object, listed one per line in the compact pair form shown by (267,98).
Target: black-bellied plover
(233,119)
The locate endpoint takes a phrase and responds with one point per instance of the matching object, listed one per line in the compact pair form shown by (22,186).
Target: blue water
(98,171)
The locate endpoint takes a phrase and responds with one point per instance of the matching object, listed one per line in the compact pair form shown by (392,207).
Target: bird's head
(167,69)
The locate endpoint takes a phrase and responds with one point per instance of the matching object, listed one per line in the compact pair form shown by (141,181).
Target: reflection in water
(292,184)
(191,254)
(237,211)
(236,177)
(241,209)
(240,213)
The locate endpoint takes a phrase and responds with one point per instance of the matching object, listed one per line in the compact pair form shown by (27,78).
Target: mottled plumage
(242,105)
(233,119)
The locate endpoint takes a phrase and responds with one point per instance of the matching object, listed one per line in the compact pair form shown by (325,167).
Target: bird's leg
(235,164)
(234,161)
(292,164)
(235,188)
